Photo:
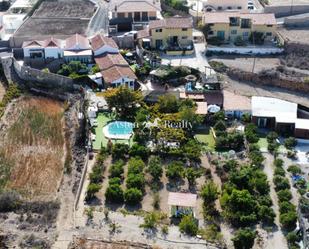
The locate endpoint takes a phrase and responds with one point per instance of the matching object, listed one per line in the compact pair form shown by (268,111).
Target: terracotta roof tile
(108,60)
(116,72)
(143,33)
(99,41)
(77,42)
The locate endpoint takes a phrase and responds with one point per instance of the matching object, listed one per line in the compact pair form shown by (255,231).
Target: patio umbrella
(213,108)
(129,54)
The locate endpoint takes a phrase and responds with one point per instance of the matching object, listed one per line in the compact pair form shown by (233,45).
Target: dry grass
(35,143)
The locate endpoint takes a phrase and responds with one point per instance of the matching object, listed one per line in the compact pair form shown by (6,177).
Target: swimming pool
(118,130)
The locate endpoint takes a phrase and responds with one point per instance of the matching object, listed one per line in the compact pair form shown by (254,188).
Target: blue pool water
(120,128)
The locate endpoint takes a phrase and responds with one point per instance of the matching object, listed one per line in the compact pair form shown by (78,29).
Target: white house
(115,70)
(101,44)
(46,49)
(77,48)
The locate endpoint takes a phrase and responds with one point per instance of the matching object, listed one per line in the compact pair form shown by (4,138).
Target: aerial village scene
(154,124)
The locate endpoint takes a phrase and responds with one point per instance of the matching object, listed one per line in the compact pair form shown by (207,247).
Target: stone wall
(271,78)
(34,78)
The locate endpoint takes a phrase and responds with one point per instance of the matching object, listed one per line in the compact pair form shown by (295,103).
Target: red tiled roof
(32,44)
(182,199)
(172,22)
(99,41)
(108,60)
(224,17)
(143,33)
(77,42)
(51,42)
(116,72)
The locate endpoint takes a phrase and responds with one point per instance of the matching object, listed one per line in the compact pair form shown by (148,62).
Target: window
(234,32)
(219,7)
(130,15)
(269,25)
(210,32)
(184,29)
(184,37)
(229,7)
(121,15)
(245,23)
(269,34)
(245,34)
(239,7)
(158,30)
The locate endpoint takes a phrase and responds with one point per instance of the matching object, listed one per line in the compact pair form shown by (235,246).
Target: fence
(45,80)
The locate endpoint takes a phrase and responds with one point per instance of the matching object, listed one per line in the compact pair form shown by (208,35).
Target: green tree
(209,192)
(290,143)
(135,181)
(120,151)
(239,207)
(266,215)
(284,195)
(271,137)
(139,151)
(155,168)
(244,238)
(123,99)
(116,169)
(175,170)
(281,183)
(294,169)
(188,225)
(167,103)
(92,189)
(192,174)
(135,165)
(133,196)
(114,193)
(220,126)
(288,220)
(188,115)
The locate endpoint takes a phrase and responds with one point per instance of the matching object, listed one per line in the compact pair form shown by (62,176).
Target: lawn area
(101,140)
(263,144)
(204,136)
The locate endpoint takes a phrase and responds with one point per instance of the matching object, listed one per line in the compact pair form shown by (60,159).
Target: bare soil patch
(32,146)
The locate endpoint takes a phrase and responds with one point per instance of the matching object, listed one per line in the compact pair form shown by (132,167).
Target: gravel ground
(249,89)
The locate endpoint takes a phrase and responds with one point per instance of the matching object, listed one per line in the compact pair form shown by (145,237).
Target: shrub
(119,151)
(244,239)
(150,221)
(114,181)
(135,166)
(135,181)
(92,189)
(290,143)
(272,147)
(139,151)
(294,169)
(96,175)
(114,193)
(133,196)
(278,162)
(292,238)
(239,41)
(9,201)
(266,215)
(271,137)
(279,171)
(288,220)
(188,225)
(175,170)
(220,126)
(116,169)
(155,168)
(281,183)
(286,207)
(291,154)
(284,195)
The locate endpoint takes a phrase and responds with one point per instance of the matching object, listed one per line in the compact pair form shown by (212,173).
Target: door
(221,34)
(159,44)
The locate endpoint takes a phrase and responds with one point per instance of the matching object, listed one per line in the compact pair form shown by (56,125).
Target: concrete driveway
(198,60)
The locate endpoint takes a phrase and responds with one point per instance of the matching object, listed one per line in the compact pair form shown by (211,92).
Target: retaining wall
(37,78)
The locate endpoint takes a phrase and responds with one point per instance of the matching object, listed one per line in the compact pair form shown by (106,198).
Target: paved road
(99,22)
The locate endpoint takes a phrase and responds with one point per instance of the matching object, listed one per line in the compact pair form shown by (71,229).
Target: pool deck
(103,119)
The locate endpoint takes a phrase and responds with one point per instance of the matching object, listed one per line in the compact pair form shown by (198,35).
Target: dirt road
(274,239)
